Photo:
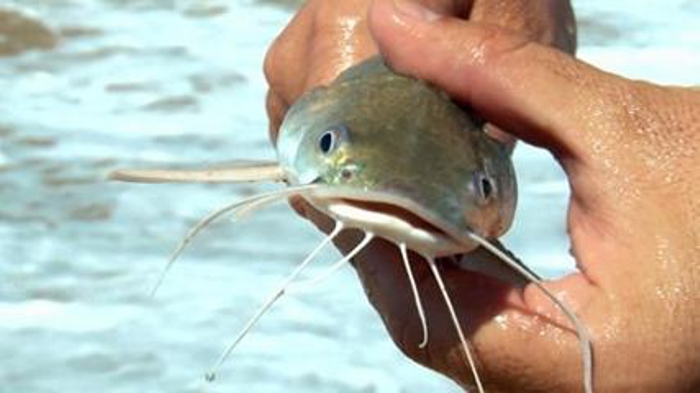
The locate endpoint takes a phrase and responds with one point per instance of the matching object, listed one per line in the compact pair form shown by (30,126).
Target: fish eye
(327,142)
(330,139)
(484,185)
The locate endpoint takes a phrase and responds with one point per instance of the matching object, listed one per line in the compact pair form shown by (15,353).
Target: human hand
(630,152)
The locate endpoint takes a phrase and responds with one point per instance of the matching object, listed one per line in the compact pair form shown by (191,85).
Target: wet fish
(396,158)
(380,137)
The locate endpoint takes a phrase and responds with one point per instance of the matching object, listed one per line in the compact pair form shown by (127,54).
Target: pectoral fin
(237,172)
(483,261)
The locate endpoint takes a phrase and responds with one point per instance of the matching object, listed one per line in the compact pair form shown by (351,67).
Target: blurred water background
(90,85)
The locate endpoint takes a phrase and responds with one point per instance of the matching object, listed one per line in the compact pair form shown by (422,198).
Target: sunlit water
(124,83)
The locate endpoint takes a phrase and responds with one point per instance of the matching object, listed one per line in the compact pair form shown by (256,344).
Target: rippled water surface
(90,85)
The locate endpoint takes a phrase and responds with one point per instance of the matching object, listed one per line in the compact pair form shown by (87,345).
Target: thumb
(539,94)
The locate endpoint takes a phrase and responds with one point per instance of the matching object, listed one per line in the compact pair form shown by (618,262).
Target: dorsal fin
(234,172)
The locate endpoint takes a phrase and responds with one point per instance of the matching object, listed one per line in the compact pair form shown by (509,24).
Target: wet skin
(629,149)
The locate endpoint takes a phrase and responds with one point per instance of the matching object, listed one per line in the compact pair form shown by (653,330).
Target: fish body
(397,141)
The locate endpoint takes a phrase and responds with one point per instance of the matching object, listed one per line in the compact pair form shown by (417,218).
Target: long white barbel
(416,295)
(237,172)
(278,293)
(301,286)
(248,205)
(581,331)
(455,322)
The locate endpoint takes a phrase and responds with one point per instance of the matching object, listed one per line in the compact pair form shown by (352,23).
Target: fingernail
(414,10)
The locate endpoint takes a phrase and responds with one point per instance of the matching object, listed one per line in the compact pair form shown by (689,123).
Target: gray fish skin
(401,139)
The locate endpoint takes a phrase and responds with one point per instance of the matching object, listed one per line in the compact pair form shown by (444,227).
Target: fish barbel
(396,158)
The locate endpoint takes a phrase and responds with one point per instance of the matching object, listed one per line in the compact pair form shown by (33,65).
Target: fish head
(392,143)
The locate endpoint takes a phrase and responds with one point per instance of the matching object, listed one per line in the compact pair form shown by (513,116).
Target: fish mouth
(398,211)
(394,218)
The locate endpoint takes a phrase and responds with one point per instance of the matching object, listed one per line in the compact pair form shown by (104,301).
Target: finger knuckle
(288,48)
(495,44)
(271,63)
(275,109)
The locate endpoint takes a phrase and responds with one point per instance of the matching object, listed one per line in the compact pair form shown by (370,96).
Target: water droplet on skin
(501,322)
